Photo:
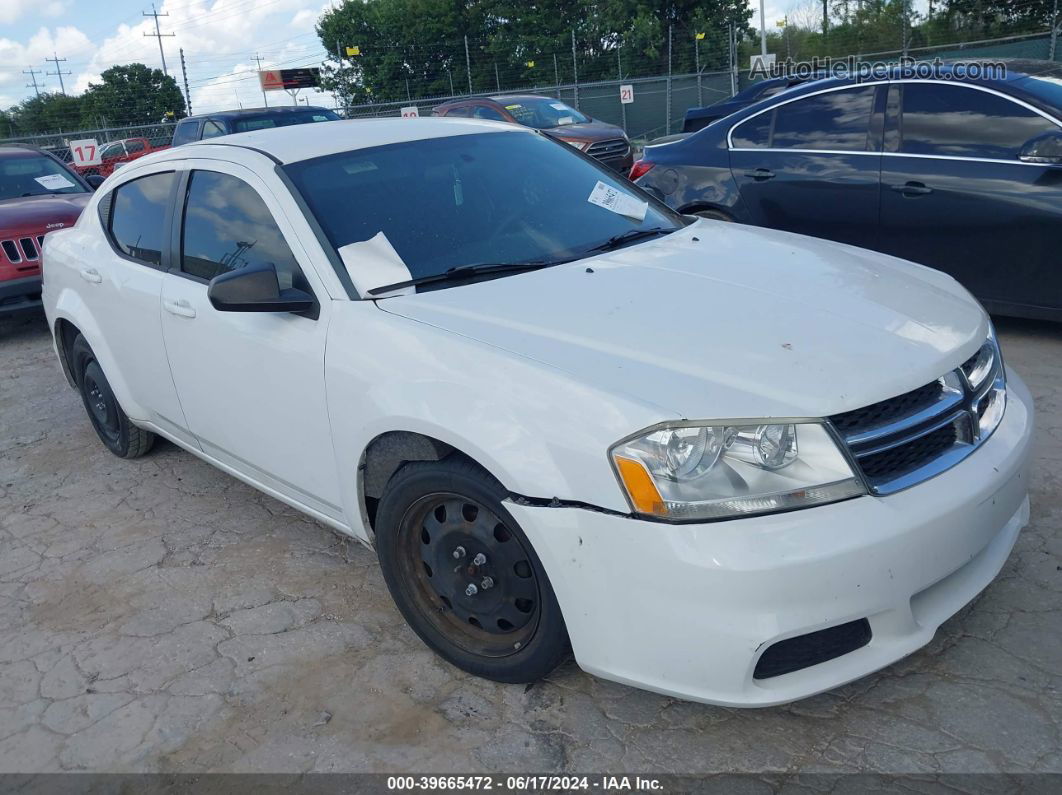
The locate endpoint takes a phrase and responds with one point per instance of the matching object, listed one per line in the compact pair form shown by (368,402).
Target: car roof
(281,110)
(307,141)
(499,98)
(21,150)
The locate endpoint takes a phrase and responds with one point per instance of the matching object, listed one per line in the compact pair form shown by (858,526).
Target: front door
(811,165)
(251,383)
(956,197)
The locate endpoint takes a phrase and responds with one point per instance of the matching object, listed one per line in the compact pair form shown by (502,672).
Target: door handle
(181,308)
(760,174)
(912,189)
(91,275)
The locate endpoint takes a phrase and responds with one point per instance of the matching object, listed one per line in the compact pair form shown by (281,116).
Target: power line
(33,76)
(58,72)
(158,34)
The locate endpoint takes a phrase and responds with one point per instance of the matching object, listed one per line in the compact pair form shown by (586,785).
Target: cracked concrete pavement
(158,615)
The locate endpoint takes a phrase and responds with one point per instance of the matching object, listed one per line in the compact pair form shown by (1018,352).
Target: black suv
(211,125)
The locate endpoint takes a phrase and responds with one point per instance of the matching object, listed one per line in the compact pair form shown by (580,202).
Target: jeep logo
(55,226)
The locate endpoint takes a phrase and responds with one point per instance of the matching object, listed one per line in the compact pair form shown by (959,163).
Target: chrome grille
(11,251)
(29,248)
(607,150)
(902,441)
(24,249)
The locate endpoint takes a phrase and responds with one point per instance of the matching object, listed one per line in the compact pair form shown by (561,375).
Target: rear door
(251,383)
(956,197)
(123,284)
(811,165)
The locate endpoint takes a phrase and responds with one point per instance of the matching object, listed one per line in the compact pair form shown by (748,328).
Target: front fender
(539,431)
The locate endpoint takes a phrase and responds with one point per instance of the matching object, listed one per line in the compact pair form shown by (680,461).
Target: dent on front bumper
(688,610)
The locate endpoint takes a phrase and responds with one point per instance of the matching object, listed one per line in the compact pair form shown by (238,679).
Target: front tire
(464,575)
(111,424)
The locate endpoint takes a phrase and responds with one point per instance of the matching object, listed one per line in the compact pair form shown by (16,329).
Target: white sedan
(725,463)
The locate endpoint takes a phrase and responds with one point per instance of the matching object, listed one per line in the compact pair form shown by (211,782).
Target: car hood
(36,214)
(591,131)
(722,321)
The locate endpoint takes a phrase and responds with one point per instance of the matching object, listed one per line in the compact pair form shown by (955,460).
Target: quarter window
(212,129)
(836,120)
(138,217)
(965,122)
(227,226)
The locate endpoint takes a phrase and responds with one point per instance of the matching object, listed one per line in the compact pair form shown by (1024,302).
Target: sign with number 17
(85,152)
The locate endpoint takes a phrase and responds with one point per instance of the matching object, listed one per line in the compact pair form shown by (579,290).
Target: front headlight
(695,471)
(986,378)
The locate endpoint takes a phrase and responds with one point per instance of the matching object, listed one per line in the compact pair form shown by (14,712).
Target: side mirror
(256,289)
(94,180)
(1046,148)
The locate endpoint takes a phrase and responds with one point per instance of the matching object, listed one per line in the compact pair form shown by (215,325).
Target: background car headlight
(690,471)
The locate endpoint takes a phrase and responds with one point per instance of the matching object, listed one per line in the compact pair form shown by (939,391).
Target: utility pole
(697,65)
(763,31)
(187,94)
(33,76)
(497,80)
(903,29)
(158,34)
(58,72)
(556,75)
(468,66)
(258,60)
(733,61)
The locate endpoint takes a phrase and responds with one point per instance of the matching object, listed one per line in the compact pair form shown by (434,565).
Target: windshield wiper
(630,236)
(467,271)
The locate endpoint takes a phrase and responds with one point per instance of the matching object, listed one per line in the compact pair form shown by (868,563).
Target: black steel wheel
(111,424)
(464,574)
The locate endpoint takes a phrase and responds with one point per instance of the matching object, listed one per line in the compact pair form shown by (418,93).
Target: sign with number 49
(85,152)
(627,94)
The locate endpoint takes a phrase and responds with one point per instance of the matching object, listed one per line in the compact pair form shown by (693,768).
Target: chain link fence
(660,102)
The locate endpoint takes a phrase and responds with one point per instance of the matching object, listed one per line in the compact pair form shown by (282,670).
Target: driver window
(227,226)
(487,112)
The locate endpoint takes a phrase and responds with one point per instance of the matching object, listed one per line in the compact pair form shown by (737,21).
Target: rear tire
(464,575)
(111,424)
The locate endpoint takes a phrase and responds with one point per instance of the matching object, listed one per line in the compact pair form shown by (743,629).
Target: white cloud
(13,10)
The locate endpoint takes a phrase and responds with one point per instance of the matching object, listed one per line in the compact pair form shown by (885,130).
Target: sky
(220,39)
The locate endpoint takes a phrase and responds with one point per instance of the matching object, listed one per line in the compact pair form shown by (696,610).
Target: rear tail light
(640,169)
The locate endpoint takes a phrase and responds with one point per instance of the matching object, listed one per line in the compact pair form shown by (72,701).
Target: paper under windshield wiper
(466,271)
(630,236)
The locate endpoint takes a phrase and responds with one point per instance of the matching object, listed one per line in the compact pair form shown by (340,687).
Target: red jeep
(117,153)
(38,193)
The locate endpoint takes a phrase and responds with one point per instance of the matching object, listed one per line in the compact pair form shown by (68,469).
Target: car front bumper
(687,610)
(18,294)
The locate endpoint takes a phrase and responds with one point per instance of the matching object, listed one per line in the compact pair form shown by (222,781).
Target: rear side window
(133,147)
(138,217)
(227,226)
(836,120)
(212,129)
(461,112)
(487,112)
(186,132)
(964,122)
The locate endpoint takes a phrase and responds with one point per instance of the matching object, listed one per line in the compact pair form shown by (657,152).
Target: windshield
(35,175)
(542,113)
(1047,87)
(248,123)
(458,200)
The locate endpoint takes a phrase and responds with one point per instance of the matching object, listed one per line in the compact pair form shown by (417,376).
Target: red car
(38,193)
(117,153)
(604,142)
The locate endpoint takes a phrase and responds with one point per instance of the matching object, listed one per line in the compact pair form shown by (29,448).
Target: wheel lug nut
(488,582)
(471,590)
(479,559)
(459,553)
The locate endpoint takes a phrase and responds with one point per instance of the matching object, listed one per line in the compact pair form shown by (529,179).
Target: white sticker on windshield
(374,263)
(54,182)
(565,120)
(619,202)
(558,106)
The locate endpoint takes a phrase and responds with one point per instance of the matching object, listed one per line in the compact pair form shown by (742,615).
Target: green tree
(46,113)
(131,94)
